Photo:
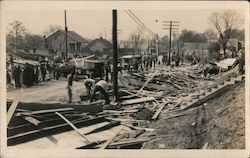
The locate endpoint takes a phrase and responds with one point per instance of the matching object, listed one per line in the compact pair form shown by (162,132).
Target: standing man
(89,84)
(36,74)
(102,87)
(16,76)
(69,85)
(26,75)
(241,58)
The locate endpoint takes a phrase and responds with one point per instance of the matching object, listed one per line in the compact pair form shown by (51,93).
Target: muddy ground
(219,124)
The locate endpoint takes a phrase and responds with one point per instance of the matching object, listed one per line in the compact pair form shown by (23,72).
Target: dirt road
(48,92)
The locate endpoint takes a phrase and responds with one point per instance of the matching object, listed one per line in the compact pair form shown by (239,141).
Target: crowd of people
(27,75)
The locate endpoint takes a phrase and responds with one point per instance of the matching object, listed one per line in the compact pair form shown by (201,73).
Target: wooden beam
(138,100)
(138,128)
(128,142)
(32,120)
(50,130)
(136,133)
(73,126)
(110,140)
(45,111)
(122,111)
(205,146)
(124,120)
(156,114)
(14,106)
(147,82)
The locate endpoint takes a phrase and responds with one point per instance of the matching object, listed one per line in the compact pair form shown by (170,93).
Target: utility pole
(114,34)
(175,35)
(169,50)
(171,25)
(135,44)
(157,45)
(66,36)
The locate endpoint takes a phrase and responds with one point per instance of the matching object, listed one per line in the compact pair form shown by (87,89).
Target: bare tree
(32,41)
(51,29)
(137,38)
(15,35)
(225,23)
(209,34)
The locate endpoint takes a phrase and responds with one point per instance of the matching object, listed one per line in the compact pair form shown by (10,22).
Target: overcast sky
(93,23)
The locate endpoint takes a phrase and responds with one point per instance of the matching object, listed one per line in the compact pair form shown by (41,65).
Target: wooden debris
(110,140)
(74,127)
(136,133)
(104,127)
(143,114)
(45,111)
(205,146)
(123,111)
(128,142)
(32,120)
(138,100)
(159,110)
(124,120)
(138,128)
(14,106)
(147,82)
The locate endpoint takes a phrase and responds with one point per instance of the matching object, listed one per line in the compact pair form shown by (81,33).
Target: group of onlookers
(27,74)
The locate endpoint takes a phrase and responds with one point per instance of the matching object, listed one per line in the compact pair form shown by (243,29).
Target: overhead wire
(138,21)
(147,29)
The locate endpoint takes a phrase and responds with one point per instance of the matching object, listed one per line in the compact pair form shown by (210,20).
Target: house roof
(101,40)
(72,36)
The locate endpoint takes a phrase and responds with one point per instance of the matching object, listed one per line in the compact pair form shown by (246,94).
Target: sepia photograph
(125,77)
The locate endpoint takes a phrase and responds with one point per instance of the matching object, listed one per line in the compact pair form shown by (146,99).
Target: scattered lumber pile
(144,98)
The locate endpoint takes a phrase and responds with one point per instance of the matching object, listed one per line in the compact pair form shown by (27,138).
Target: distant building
(55,43)
(99,47)
(199,50)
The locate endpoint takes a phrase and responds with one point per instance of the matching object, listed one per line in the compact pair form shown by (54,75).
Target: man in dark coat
(17,75)
(27,75)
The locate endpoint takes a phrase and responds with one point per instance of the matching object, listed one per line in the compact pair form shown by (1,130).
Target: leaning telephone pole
(66,36)
(171,25)
(114,34)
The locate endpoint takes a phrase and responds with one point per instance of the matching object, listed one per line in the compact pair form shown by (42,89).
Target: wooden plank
(156,72)
(128,142)
(138,100)
(110,140)
(156,114)
(23,137)
(132,94)
(14,106)
(46,111)
(136,133)
(123,111)
(32,120)
(138,128)
(74,127)
(205,146)
(124,120)
(104,127)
